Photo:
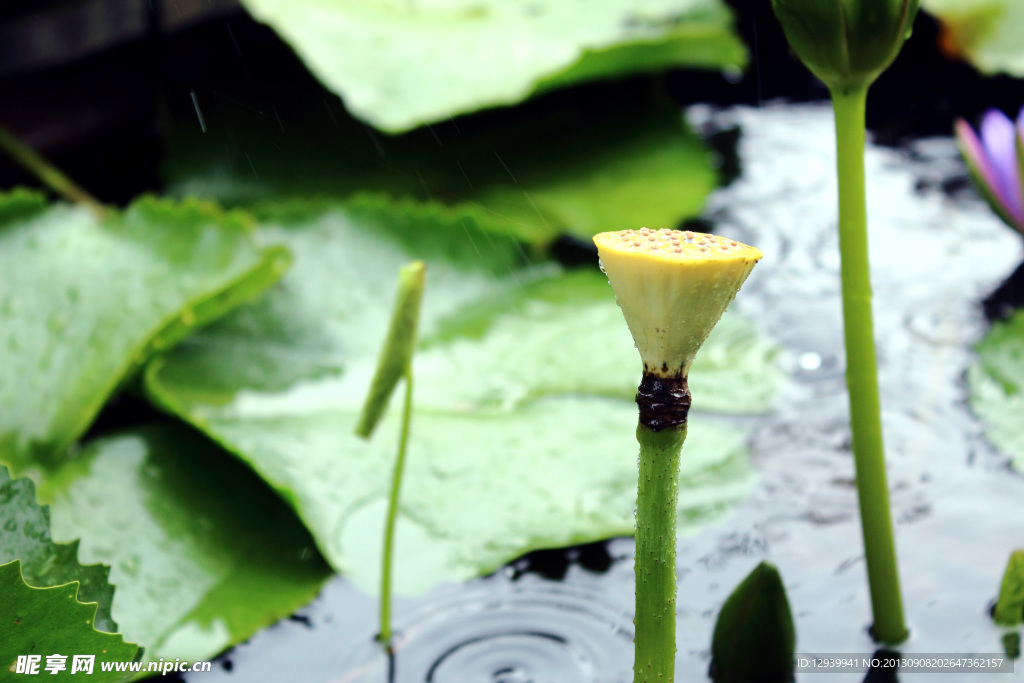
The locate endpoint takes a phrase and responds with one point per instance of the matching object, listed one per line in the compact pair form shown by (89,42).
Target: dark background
(97,86)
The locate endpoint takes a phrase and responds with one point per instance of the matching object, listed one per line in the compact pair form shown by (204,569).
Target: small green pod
(754,639)
(846,43)
(396,355)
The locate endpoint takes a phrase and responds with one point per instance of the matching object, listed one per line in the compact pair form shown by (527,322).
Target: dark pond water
(566,616)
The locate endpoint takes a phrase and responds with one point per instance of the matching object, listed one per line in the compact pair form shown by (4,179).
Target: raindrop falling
(199,112)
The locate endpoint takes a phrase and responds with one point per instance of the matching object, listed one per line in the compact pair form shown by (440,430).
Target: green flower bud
(754,637)
(846,43)
(1010,606)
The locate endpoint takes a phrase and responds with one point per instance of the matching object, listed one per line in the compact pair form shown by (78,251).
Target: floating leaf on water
(997,385)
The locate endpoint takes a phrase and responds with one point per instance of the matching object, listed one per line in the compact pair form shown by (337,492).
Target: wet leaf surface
(48,621)
(85,302)
(25,536)
(520,440)
(400,66)
(202,553)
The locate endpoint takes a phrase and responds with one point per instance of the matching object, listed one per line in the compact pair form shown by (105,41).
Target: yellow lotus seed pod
(672,286)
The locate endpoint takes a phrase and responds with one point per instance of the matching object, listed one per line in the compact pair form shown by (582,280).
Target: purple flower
(995,161)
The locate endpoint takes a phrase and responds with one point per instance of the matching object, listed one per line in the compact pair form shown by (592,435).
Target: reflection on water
(936,252)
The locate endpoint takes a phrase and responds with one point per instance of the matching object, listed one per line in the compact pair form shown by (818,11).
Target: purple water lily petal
(999,138)
(975,153)
(1020,160)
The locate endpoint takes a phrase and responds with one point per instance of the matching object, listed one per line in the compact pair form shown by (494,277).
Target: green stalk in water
(862,373)
(395,363)
(848,44)
(673,287)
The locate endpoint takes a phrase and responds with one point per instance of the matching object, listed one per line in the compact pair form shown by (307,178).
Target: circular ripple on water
(531,631)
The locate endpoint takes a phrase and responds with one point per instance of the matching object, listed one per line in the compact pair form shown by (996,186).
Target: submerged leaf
(48,621)
(202,552)
(399,66)
(84,302)
(525,382)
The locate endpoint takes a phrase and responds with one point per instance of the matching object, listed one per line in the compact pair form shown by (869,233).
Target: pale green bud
(846,43)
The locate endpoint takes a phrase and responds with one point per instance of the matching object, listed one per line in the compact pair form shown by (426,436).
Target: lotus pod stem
(673,287)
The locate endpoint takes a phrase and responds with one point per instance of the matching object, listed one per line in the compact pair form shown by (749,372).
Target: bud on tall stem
(848,44)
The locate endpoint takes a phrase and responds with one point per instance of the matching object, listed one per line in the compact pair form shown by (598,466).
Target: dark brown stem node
(664,401)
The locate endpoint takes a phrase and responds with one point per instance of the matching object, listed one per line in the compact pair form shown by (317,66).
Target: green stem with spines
(655,563)
(862,371)
(389,526)
(47,173)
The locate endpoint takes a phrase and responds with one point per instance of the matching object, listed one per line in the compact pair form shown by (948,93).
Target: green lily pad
(519,441)
(25,536)
(989,33)
(51,621)
(573,165)
(399,66)
(997,385)
(203,554)
(84,302)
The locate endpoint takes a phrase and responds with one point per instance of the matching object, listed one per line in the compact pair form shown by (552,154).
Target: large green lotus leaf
(400,65)
(25,536)
(523,432)
(990,33)
(84,301)
(564,165)
(997,385)
(51,621)
(203,554)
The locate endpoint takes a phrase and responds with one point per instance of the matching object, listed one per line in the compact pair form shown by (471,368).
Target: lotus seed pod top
(673,287)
